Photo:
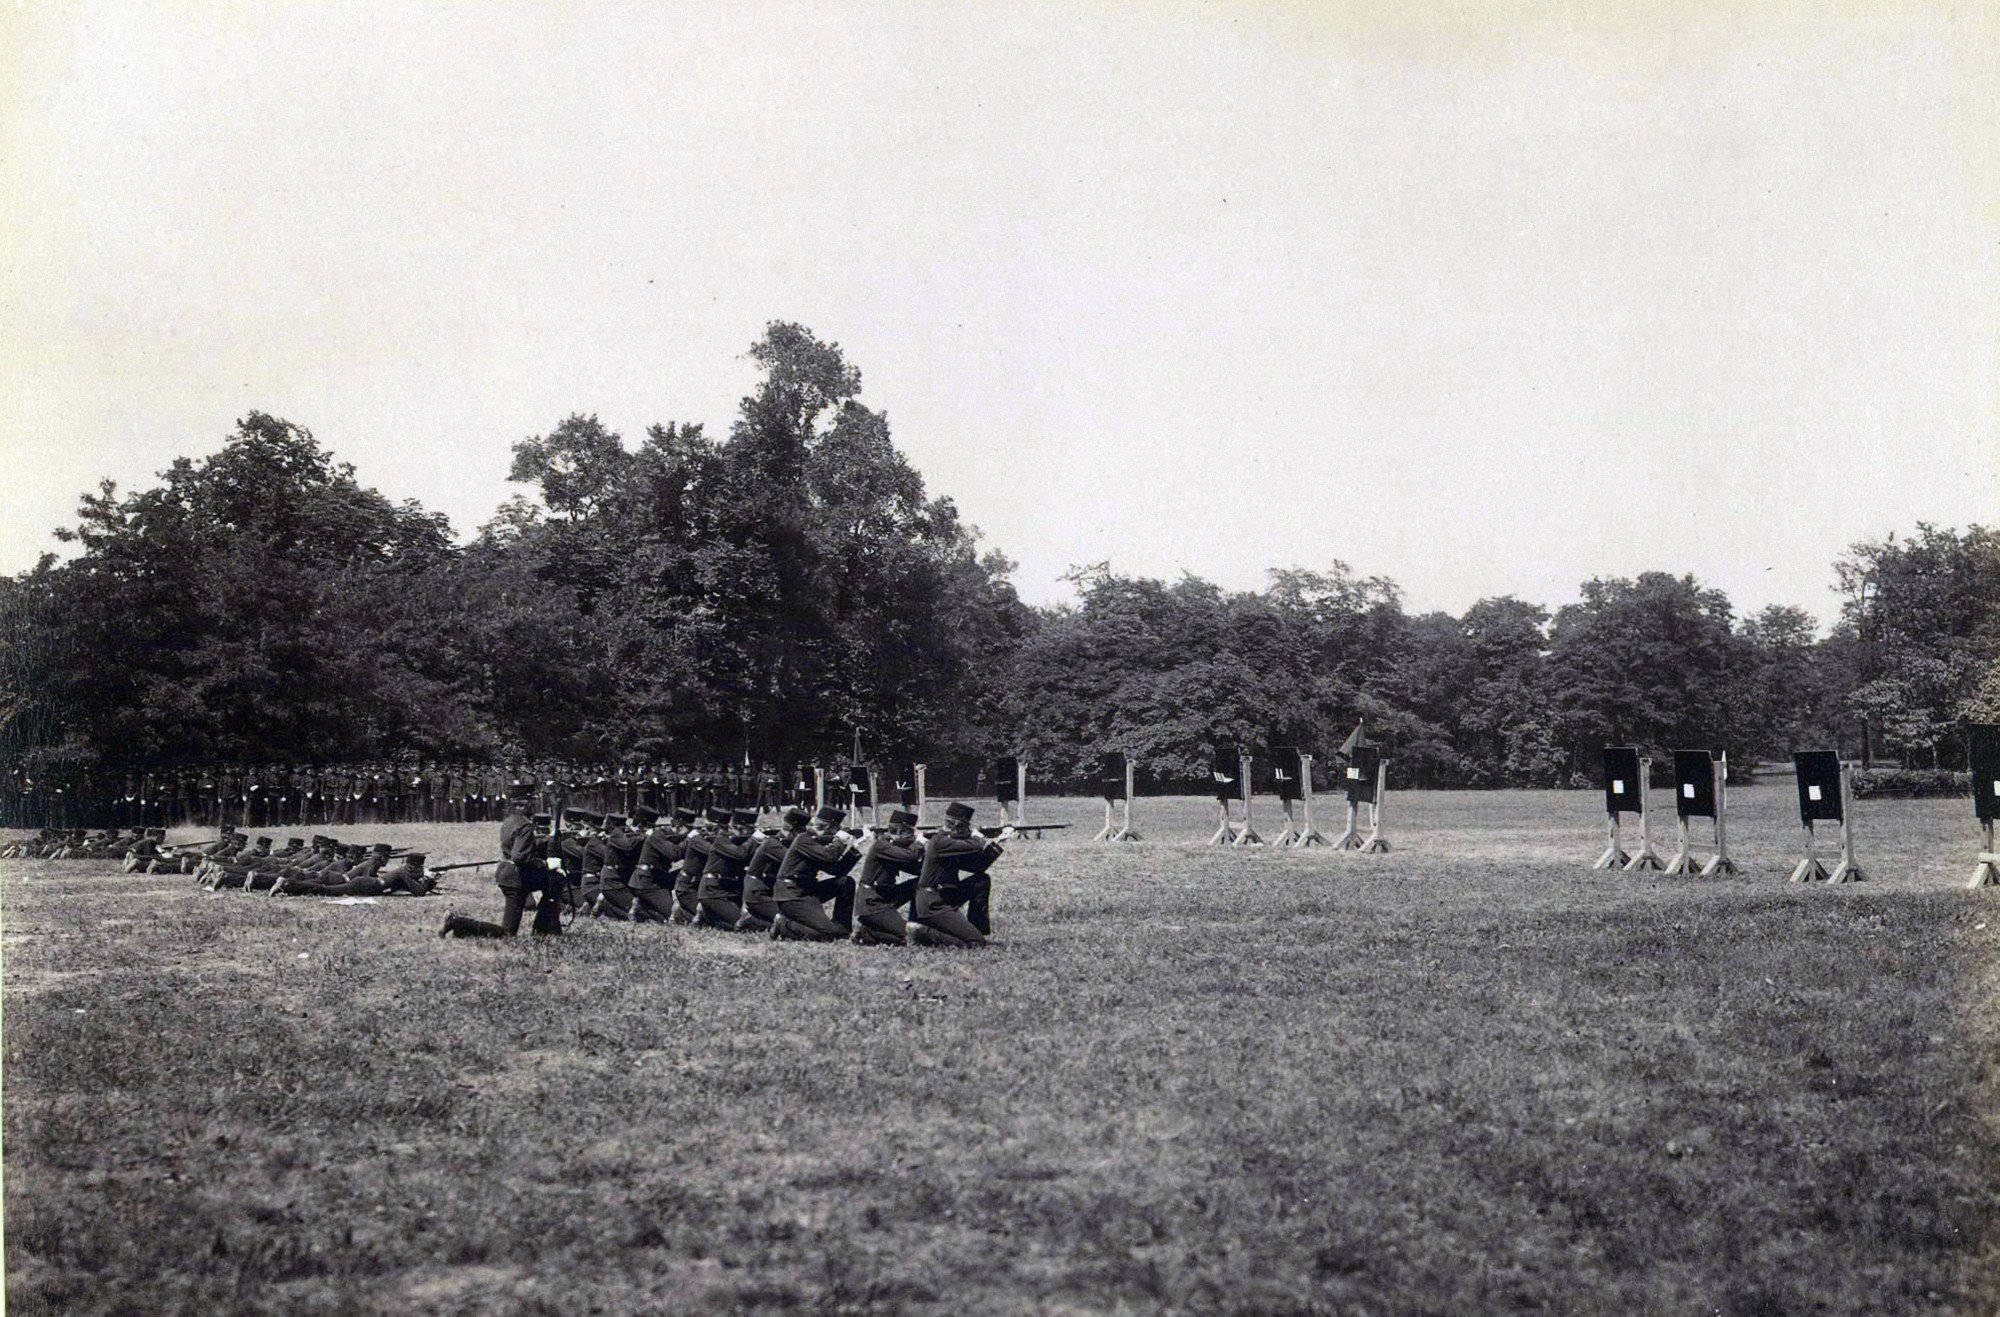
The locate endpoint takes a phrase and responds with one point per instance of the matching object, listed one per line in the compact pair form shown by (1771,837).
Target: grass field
(1469,1076)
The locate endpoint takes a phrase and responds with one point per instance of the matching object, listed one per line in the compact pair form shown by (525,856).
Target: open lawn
(1469,1076)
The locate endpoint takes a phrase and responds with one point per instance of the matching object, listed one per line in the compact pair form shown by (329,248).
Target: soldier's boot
(456,925)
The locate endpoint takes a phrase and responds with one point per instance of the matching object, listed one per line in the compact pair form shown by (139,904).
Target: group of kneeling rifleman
(326,867)
(717,868)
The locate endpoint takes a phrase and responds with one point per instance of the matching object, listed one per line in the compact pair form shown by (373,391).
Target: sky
(1488,298)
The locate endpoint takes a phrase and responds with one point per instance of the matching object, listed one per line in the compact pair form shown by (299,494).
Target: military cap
(415,859)
(902,818)
(958,811)
(263,841)
(542,820)
(584,816)
(614,820)
(645,817)
(682,814)
(294,841)
(743,818)
(830,814)
(715,815)
(796,817)
(383,848)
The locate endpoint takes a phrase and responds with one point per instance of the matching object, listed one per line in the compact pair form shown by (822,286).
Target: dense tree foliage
(780,591)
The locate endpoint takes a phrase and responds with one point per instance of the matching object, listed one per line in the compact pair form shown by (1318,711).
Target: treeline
(779,591)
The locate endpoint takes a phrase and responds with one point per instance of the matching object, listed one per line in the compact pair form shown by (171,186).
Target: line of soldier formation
(277,797)
(323,867)
(806,878)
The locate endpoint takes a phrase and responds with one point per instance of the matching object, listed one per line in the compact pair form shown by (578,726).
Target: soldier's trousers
(651,899)
(721,900)
(607,896)
(935,909)
(687,894)
(352,887)
(548,918)
(803,904)
(878,916)
(760,907)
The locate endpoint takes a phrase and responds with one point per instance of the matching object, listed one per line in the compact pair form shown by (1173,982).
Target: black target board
(1983,740)
(1694,784)
(1362,770)
(1819,785)
(1286,764)
(1623,791)
(859,787)
(1111,777)
(906,786)
(1007,780)
(1226,768)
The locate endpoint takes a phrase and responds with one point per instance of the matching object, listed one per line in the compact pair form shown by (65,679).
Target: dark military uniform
(760,906)
(521,870)
(879,895)
(720,895)
(802,894)
(954,875)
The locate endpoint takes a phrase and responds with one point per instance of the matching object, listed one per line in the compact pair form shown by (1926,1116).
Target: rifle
(469,864)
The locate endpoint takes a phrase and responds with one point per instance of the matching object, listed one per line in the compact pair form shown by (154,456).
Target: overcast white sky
(1485,298)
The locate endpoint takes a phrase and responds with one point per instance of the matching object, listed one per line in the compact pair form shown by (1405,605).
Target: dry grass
(1468,1076)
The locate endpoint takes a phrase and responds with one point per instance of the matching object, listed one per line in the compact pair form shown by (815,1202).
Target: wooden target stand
(1683,859)
(1351,838)
(1986,872)
(1229,832)
(1299,830)
(1018,825)
(1645,858)
(1809,868)
(1116,829)
(1983,746)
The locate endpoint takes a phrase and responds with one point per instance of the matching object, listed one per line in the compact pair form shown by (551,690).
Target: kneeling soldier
(954,874)
(659,856)
(720,896)
(802,894)
(879,896)
(760,905)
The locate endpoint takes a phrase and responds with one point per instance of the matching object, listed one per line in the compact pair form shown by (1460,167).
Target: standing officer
(954,875)
(521,870)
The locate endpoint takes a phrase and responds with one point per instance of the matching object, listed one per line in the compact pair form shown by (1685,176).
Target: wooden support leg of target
(920,793)
(1290,835)
(1809,869)
(1683,857)
(1720,861)
(1125,832)
(1225,832)
(1247,835)
(1986,873)
(1847,871)
(1614,856)
(1645,857)
(1349,838)
(1308,834)
(1104,833)
(1375,843)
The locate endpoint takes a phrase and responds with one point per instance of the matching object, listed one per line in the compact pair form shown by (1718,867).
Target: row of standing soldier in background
(263,796)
